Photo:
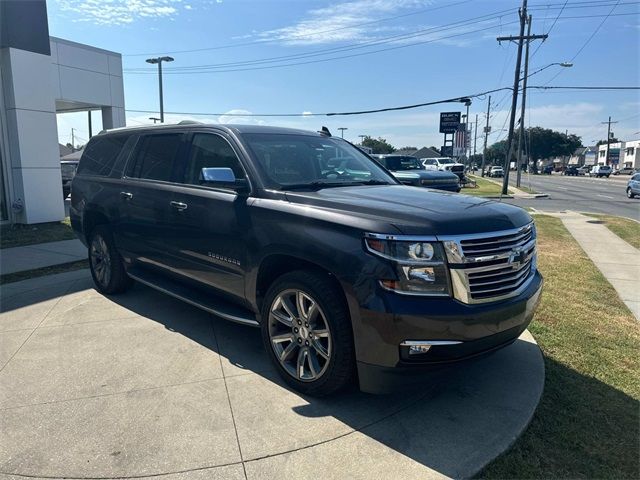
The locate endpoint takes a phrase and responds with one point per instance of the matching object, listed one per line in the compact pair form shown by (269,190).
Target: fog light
(419,349)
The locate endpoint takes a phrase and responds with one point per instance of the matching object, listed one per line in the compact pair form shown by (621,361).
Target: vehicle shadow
(455,424)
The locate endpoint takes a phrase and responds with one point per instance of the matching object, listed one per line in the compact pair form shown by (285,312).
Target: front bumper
(390,319)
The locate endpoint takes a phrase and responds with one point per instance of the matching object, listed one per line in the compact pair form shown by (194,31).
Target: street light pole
(486,135)
(159,61)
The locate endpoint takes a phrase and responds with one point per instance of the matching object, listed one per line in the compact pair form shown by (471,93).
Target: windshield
(446,160)
(402,163)
(298,161)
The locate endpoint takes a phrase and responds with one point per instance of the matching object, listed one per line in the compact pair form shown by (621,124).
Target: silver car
(633,186)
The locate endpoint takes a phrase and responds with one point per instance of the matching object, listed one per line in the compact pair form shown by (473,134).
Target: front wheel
(630,194)
(306,329)
(105,263)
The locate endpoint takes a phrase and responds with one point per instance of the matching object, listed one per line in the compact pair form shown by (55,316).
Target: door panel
(208,226)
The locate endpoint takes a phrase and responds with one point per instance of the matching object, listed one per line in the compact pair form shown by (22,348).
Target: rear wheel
(106,265)
(306,330)
(630,194)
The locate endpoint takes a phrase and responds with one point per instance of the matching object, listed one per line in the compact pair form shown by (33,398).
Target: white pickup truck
(444,164)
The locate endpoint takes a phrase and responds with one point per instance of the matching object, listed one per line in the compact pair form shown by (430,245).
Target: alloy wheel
(299,335)
(100,260)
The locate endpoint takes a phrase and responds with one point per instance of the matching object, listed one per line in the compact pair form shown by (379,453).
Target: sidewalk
(516,192)
(19,259)
(618,261)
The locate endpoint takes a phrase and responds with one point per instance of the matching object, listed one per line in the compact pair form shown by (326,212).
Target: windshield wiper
(318,184)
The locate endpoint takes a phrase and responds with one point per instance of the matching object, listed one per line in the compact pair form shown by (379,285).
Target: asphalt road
(582,194)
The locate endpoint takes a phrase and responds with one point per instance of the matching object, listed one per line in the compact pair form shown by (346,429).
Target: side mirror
(223,178)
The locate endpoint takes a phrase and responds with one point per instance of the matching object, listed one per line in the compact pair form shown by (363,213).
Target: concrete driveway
(142,385)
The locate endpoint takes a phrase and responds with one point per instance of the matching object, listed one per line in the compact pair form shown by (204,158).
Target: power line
(270,40)
(379,110)
(550,28)
(325,59)
(379,41)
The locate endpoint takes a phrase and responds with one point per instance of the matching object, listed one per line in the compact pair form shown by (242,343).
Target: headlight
(420,265)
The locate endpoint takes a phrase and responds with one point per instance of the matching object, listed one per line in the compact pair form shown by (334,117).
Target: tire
(320,339)
(105,263)
(630,194)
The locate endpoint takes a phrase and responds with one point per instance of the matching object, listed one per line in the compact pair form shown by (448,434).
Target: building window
(631,151)
(602,153)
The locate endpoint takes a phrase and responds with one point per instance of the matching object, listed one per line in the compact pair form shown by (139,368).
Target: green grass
(21,235)
(625,228)
(485,188)
(587,424)
(41,272)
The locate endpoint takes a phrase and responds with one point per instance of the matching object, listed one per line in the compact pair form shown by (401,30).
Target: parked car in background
(347,273)
(410,171)
(444,164)
(600,171)
(633,186)
(584,170)
(68,171)
(496,171)
(548,170)
(625,171)
(571,171)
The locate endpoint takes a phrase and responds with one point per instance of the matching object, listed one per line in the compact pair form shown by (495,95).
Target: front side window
(210,151)
(300,161)
(156,157)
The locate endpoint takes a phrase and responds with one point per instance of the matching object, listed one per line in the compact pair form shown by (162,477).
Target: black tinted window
(156,156)
(210,151)
(100,155)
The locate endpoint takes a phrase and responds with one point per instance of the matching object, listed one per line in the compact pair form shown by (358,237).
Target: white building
(621,154)
(41,76)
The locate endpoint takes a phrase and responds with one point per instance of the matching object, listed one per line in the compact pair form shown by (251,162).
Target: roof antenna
(324,131)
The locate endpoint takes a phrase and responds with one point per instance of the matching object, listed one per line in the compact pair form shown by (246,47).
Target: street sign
(446,150)
(487,129)
(449,122)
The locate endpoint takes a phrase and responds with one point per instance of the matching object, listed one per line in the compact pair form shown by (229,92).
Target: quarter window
(100,155)
(156,157)
(210,151)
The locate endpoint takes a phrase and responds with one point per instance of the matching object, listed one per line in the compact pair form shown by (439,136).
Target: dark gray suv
(348,273)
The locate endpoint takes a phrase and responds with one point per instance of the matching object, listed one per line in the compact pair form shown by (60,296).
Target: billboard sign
(590,158)
(446,150)
(614,156)
(449,122)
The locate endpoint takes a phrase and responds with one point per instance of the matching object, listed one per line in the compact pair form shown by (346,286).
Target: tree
(435,149)
(379,145)
(540,143)
(408,148)
(604,142)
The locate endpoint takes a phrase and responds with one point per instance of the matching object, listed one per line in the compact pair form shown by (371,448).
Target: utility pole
(342,129)
(487,129)
(516,82)
(73,140)
(475,139)
(362,137)
(155,119)
(90,126)
(522,107)
(608,123)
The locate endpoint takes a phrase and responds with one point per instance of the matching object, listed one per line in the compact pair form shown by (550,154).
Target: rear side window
(100,155)
(155,157)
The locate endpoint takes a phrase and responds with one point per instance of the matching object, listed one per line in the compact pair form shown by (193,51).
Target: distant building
(630,154)
(621,154)
(43,76)
(406,151)
(426,152)
(583,156)
(64,150)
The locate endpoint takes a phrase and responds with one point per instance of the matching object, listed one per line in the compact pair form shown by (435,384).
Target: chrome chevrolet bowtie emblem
(517,257)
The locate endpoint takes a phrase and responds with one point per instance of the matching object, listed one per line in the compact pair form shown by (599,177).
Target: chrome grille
(491,266)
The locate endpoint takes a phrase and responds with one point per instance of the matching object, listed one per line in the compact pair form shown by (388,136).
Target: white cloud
(240,117)
(119,12)
(341,22)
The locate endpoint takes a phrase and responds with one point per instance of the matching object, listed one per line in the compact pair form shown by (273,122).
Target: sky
(237,58)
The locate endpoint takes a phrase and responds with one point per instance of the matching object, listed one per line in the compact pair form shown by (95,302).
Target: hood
(415,210)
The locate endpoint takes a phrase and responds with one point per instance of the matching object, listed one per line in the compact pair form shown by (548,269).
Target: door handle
(126,195)
(179,206)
